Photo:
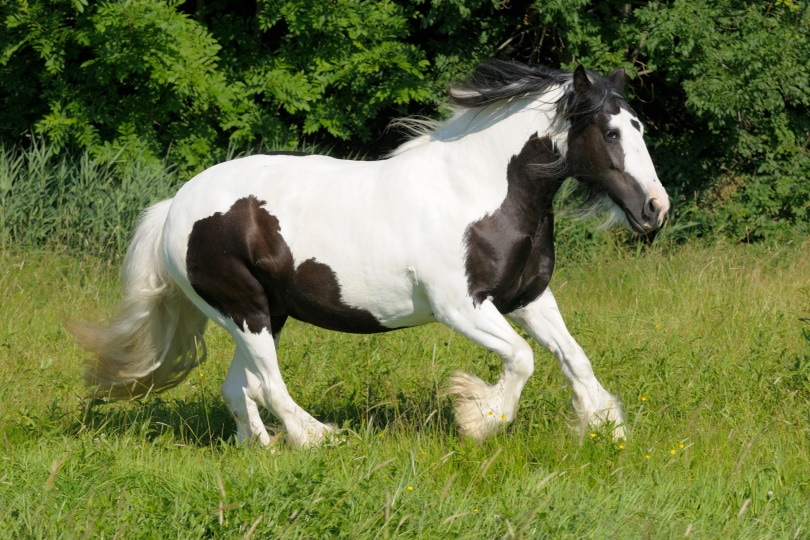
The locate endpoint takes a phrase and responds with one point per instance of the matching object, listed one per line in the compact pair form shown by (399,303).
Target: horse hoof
(312,435)
(478,413)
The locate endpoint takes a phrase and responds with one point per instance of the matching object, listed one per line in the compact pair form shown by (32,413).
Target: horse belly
(322,297)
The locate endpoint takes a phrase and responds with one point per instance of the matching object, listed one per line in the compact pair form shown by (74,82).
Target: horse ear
(617,79)
(581,81)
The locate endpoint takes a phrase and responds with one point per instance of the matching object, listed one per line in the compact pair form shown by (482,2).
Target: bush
(723,85)
(734,137)
(145,78)
(120,79)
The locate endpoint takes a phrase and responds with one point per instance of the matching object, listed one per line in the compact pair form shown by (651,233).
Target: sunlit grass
(703,344)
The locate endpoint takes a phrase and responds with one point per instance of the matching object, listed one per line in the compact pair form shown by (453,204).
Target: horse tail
(156,336)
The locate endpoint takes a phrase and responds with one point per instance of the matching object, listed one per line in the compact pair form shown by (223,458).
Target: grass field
(703,344)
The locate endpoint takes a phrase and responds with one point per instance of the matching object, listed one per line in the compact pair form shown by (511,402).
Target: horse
(456,226)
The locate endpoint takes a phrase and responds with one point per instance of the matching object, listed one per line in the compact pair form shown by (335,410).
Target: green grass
(703,344)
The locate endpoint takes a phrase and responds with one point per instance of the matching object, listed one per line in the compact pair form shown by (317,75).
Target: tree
(724,85)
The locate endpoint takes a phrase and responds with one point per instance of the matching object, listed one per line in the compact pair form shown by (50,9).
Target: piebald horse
(455,226)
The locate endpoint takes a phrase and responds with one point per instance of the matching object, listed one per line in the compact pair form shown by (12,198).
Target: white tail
(156,336)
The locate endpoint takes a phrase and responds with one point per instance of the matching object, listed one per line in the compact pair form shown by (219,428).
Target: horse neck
(486,139)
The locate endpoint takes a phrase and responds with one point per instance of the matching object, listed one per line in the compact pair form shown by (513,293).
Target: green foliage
(121,79)
(601,35)
(337,64)
(745,79)
(146,79)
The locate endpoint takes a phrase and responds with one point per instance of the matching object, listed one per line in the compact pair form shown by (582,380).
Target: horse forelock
(582,110)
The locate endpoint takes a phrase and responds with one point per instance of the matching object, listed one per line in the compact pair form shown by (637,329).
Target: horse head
(607,154)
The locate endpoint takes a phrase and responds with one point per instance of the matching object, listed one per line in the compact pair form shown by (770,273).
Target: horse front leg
(593,404)
(482,409)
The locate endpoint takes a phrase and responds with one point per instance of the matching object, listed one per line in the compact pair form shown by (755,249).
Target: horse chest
(507,265)
(510,253)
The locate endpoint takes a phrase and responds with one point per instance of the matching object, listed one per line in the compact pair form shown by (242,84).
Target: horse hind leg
(243,394)
(264,384)
(240,391)
(239,304)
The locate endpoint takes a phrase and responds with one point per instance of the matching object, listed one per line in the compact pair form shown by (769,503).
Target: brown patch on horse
(510,253)
(240,264)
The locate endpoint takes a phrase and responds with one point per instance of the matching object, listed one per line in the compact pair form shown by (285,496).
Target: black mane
(497,80)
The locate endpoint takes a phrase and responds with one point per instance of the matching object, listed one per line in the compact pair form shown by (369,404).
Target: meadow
(705,345)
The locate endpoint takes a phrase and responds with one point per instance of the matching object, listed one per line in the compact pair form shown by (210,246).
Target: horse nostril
(652,208)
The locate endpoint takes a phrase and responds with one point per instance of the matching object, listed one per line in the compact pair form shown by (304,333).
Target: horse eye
(611,134)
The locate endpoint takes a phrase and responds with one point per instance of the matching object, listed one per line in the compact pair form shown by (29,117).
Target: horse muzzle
(652,216)
(655,212)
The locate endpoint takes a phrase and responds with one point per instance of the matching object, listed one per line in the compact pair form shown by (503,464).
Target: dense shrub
(148,78)
(723,85)
(737,127)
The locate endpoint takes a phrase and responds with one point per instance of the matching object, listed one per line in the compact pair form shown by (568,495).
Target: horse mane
(496,80)
(493,81)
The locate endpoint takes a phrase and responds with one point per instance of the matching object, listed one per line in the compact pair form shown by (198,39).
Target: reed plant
(66,201)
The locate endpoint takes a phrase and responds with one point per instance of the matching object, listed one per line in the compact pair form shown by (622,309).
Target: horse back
(314,238)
